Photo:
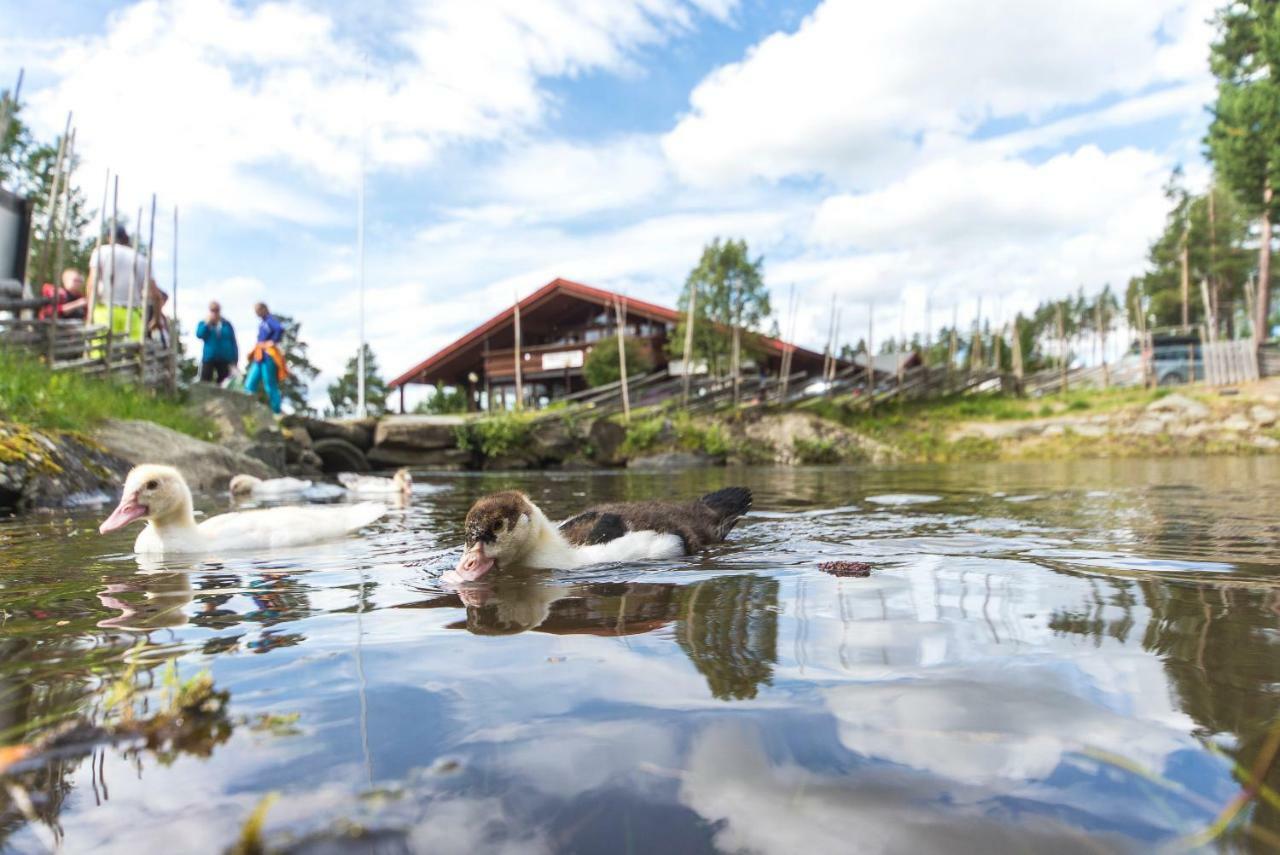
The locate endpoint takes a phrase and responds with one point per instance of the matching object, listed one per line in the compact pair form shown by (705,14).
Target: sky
(912,159)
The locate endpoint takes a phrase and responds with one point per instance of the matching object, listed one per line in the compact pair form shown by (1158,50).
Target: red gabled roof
(555,286)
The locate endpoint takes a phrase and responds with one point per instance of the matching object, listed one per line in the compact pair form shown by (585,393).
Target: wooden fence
(92,350)
(1229,362)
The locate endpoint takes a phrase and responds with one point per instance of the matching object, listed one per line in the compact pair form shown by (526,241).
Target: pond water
(1053,657)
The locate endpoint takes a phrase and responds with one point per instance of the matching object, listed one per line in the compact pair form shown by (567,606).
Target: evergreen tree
(1244,136)
(27,168)
(730,292)
(344,393)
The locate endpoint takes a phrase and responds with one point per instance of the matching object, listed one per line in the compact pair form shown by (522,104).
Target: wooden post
(133,276)
(1062,348)
(1208,329)
(66,214)
(51,209)
(1213,258)
(1017,354)
(788,350)
(871,370)
(519,358)
(146,292)
(1184,261)
(176,331)
(1262,298)
(620,313)
(688,343)
(95,276)
(111,291)
(828,362)
(1101,321)
(735,359)
(402,399)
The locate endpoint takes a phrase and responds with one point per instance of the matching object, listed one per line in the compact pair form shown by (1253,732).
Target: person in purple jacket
(266,360)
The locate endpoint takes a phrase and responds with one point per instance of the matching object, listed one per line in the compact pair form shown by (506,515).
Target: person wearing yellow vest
(266,361)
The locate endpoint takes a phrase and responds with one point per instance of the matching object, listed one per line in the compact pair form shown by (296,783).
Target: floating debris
(846,569)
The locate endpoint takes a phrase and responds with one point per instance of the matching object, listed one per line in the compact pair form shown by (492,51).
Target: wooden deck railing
(91,349)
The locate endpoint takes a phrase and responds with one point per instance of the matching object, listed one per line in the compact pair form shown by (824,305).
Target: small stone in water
(854,569)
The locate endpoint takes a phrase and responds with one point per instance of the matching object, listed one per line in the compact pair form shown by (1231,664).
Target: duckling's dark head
(497,530)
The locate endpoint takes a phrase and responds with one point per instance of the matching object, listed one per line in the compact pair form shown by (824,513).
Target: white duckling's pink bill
(126,512)
(474,564)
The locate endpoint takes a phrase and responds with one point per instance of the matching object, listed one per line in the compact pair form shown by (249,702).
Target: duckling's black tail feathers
(729,504)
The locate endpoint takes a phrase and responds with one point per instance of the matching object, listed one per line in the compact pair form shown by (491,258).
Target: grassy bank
(32,395)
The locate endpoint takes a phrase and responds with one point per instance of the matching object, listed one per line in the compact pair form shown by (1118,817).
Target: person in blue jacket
(220,350)
(266,360)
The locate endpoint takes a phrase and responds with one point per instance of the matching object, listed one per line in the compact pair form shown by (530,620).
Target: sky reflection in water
(1051,657)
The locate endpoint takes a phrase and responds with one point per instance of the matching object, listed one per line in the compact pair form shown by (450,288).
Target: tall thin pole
(173,336)
(519,359)
(133,283)
(66,213)
(55,186)
(146,283)
(1185,263)
(620,312)
(96,274)
(688,343)
(788,349)
(871,371)
(360,402)
(111,290)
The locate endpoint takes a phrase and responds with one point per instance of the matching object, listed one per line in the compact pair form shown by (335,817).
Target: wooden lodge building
(559,324)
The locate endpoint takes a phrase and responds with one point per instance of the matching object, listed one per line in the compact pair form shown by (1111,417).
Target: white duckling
(159,495)
(243,486)
(400,484)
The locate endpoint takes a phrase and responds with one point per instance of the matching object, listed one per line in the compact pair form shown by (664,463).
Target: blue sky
(923,153)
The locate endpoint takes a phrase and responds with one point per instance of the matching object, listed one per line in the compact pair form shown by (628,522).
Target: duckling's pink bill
(474,564)
(126,512)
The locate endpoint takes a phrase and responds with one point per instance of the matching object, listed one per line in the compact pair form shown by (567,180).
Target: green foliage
(1217,254)
(601,365)
(816,450)
(505,433)
(32,394)
(680,431)
(27,168)
(343,392)
(443,401)
(730,291)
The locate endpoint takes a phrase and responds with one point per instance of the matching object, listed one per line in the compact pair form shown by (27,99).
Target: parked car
(1174,360)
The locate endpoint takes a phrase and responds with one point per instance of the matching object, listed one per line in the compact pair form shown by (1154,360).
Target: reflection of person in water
(728,627)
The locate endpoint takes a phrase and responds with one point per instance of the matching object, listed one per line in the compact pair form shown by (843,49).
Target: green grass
(676,431)
(920,429)
(31,394)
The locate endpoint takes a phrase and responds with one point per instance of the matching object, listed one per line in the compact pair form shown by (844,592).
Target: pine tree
(730,292)
(1244,136)
(344,394)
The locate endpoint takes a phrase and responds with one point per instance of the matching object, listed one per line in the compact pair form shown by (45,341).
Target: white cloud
(861,90)
(259,111)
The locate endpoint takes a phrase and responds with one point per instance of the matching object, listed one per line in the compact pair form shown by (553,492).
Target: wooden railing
(90,349)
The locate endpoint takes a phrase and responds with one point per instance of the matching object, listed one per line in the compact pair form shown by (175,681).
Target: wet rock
(606,438)
(205,466)
(417,433)
(1266,443)
(358,432)
(503,462)
(1091,430)
(792,438)
(449,459)
(241,423)
(1262,416)
(1179,405)
(338,455)
(554,439)
(1055,430)
(674,460)
(1195,430)
(1002,430)
(41,469)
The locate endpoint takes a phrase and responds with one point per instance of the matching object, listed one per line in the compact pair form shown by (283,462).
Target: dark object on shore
(849,569)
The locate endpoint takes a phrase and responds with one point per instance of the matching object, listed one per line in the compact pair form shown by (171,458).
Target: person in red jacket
(68,299)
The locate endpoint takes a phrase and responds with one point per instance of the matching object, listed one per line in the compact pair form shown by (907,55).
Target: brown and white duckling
(508,530)
(371,485)
(159,495)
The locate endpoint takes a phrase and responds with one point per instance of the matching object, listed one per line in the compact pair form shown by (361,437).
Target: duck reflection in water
(727,626)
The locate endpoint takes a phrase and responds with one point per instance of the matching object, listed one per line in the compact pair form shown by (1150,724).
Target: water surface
(1046,657)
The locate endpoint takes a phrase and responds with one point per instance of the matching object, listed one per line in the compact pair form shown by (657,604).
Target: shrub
(815,450)
(495,436)
(643,434)
(601,365)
